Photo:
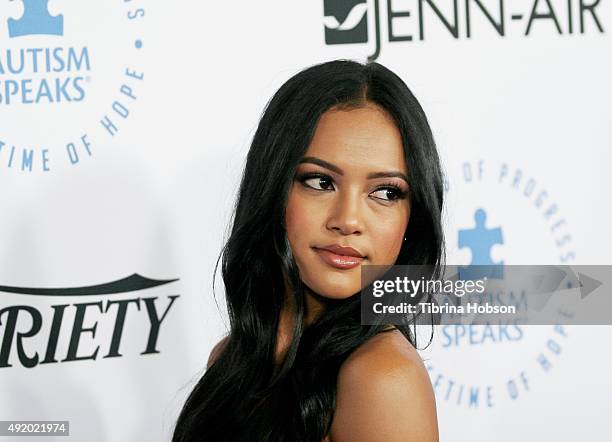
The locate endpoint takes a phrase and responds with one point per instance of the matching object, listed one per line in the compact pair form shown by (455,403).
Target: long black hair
(243,395)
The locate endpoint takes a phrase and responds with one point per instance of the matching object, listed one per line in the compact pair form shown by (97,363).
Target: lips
(339,256)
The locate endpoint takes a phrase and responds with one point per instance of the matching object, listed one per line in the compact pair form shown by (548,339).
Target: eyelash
(400,194)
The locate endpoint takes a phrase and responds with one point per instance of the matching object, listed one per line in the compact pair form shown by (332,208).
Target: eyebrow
(334,168)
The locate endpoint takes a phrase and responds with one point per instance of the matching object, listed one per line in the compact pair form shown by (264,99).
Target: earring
(404,238)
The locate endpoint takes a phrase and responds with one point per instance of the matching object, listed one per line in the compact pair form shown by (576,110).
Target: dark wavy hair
(243,395)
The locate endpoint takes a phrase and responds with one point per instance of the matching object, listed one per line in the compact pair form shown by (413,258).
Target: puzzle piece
(480,240)
(36,20)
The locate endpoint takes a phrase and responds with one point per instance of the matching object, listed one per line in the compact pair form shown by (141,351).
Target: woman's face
(350,190)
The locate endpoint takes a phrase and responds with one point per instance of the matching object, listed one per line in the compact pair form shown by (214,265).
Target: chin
(337,286)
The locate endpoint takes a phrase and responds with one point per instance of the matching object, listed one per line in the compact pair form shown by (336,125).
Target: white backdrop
(122,138)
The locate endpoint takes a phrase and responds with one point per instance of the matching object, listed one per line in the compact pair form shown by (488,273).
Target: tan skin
(351,189)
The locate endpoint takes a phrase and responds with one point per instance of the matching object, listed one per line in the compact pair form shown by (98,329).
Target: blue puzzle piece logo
(480,240)
(36,20)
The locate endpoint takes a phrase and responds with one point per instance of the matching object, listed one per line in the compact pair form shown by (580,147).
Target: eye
(389,193)
(317,182)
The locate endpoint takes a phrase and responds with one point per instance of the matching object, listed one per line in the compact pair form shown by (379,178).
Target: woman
(342,172)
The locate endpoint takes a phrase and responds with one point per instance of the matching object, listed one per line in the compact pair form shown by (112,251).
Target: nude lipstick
(340,257)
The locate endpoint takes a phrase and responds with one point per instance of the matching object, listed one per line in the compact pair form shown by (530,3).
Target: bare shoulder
(384,393)
(216,351)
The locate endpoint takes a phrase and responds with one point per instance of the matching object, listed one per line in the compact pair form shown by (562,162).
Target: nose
(346,214)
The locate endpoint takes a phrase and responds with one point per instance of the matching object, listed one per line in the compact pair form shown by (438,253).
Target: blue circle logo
(71,76)
(515,221)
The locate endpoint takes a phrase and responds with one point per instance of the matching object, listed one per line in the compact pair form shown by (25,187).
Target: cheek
(302,221)
(388,235)
(299,220)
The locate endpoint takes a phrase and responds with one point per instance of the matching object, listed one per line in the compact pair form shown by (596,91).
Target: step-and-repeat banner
(124,126)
